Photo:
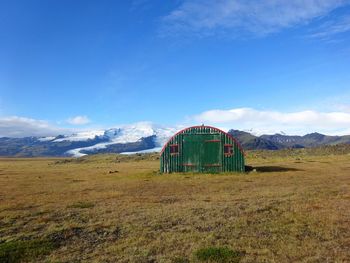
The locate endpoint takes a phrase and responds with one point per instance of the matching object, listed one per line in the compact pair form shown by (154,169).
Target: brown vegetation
(111,208)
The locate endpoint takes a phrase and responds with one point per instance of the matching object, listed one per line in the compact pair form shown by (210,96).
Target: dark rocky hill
(280,141)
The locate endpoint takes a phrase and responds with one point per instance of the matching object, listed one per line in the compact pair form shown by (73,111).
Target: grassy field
(293,207)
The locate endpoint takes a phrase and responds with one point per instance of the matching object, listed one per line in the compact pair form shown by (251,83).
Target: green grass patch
(82,205)
(218,254)
(23,251)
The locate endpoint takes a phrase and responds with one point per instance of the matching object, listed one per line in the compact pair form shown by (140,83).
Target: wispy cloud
(270,122)
(206,17)
(332,28)
(15,126)
(79,120)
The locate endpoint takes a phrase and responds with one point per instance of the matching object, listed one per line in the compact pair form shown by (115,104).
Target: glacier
(121,135)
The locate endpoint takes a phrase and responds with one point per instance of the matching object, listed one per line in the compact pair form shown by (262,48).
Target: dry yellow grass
(103,209)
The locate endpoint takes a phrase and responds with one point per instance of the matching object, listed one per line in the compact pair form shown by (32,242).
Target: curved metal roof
(202,126)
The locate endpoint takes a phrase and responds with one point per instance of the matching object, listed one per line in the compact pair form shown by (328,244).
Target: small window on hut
(228,149)
(174,149)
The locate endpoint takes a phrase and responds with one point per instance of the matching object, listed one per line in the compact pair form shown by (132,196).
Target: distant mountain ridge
(145,137)
(281,141)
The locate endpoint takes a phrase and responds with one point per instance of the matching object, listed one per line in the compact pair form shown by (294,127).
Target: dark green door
(201,153)
(191,152)
(211,153)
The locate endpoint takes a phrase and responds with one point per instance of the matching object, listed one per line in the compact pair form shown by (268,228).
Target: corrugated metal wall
(201,149)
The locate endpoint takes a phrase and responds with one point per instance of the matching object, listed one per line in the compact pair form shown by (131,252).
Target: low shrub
(82,205)
(218,254)
(23,251)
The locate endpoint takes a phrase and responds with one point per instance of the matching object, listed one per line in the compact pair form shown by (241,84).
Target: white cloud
(248,119)
(78,120)
(15,126)
(270,122)
(256,16)
(342,107)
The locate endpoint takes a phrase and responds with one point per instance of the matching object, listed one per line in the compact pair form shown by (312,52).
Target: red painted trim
(228,145)
(212,141)
(199,126)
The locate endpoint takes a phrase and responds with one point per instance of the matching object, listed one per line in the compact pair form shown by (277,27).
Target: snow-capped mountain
(81,136)
(154,135)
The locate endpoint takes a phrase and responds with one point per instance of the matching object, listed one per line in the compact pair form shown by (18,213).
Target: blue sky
(266,65)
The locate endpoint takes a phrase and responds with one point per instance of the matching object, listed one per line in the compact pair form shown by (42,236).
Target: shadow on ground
(270,169)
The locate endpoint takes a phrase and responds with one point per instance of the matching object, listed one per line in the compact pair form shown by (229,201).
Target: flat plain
(294,206)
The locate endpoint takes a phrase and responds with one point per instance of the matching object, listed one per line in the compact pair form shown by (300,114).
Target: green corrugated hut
(203,149)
